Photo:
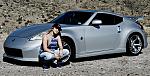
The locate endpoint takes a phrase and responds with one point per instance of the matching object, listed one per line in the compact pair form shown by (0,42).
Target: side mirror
(96,22)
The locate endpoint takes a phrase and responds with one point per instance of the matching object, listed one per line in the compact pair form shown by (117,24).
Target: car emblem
(13,40)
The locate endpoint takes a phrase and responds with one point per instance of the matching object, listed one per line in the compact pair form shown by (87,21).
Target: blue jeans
(50,56)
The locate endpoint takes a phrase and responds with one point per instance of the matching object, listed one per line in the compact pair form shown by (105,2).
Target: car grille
(13,52)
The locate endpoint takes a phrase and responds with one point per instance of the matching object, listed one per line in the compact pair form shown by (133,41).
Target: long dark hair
(56,26)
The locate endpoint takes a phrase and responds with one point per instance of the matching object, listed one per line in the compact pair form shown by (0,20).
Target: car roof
(87,11)
(99,11)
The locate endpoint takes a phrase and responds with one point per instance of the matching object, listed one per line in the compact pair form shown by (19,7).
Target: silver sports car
(84,33)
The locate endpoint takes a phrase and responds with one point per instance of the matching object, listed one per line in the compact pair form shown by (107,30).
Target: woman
(49,48)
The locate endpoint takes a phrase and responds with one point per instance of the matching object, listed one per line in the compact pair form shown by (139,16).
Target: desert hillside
(17,13)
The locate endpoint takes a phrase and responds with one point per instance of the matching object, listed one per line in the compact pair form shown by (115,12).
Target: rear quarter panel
(129,27)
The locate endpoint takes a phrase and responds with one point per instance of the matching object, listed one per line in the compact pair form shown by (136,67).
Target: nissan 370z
(84,33)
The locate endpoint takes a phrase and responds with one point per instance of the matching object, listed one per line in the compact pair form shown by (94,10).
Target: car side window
(108,19)
(73,18)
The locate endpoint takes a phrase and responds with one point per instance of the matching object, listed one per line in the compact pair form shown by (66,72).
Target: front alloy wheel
(68,47)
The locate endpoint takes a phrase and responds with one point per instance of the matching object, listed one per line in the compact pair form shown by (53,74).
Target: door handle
(119,29)
(81,38)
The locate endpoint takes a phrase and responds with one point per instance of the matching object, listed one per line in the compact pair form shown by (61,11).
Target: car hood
(31,30)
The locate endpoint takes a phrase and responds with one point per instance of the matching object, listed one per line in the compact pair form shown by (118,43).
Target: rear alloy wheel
(134,45)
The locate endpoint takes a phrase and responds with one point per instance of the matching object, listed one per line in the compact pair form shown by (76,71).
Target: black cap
(57,26)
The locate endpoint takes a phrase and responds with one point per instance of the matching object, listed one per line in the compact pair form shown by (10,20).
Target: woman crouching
(49,48)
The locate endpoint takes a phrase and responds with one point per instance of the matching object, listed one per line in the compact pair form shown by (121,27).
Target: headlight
(37,37)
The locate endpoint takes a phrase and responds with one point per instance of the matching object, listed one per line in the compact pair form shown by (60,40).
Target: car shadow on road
(21,63)
(99,57)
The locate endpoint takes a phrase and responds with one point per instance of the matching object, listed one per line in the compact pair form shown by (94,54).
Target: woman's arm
(60,44)
(45,44)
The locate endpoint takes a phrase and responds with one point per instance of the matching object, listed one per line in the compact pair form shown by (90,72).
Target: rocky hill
(17,13)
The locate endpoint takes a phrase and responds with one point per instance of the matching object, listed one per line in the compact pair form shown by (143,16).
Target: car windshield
(73,18)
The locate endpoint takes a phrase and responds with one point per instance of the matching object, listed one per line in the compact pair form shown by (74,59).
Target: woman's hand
(60,53)
(57,56)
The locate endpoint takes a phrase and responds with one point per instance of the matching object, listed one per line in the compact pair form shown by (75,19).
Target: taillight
(140,25)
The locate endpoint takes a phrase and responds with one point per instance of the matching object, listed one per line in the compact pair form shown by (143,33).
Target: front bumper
(21,58)
(22,49)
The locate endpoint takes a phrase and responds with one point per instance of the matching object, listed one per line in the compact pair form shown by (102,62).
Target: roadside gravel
(106,65)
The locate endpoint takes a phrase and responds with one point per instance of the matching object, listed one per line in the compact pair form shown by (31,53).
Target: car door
(103,37)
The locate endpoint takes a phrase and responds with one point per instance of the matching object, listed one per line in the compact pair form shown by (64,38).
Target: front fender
(75,34)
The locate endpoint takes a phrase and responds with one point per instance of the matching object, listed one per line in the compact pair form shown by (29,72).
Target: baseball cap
(57,26)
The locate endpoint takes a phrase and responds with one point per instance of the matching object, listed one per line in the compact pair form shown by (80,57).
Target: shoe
(45,67)
(55,62)
(59,68)
(59,65)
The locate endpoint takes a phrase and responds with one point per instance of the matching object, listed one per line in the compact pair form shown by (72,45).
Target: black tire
(68,44)
(134,45)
